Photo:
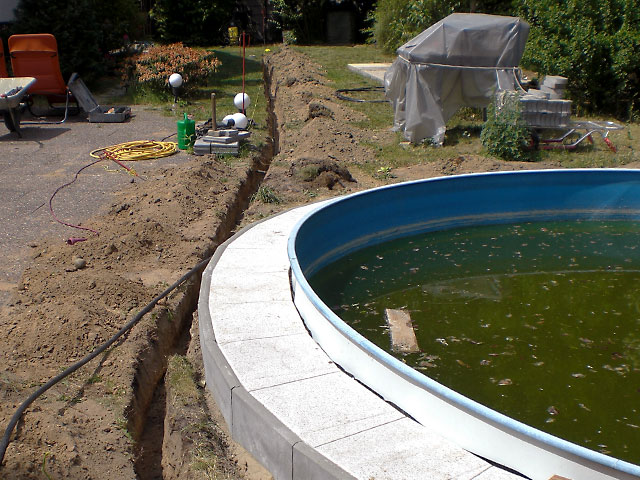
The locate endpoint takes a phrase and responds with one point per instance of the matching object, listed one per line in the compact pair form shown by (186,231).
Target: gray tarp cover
(460,61)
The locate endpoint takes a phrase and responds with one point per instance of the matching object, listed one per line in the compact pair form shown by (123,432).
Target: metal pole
(213,111)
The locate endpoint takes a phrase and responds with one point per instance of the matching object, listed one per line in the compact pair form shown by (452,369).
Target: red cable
(111,156)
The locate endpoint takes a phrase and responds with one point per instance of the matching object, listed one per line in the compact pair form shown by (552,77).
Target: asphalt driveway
(47,157)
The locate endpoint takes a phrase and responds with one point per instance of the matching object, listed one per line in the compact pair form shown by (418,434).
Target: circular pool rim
(541,194)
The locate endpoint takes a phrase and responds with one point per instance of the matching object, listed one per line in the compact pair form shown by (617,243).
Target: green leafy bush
(504,135)
(85,30)
(301,21)
(394,22)
(193,22)
(594,43)
(151,69)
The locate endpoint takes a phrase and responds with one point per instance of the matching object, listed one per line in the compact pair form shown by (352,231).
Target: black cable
(18,414)
(339,94)
(66,113)
(169,136)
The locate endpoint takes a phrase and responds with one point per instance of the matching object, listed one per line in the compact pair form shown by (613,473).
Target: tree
(85,30)
(192,22)
(395,22)
(594,43)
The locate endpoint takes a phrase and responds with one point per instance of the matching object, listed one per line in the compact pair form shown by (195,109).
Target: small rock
(123,207)
(79,263)
(319,110)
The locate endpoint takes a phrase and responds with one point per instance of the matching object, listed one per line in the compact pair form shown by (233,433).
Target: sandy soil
(70,299)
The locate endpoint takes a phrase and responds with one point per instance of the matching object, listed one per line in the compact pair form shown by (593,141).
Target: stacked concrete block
(220,142)
(554,86)
(540,111)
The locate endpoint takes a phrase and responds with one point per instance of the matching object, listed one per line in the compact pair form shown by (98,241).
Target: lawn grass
(226,82)
(463,130)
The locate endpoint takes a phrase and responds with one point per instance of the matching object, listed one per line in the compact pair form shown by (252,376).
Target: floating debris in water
(552,410)
(462,364)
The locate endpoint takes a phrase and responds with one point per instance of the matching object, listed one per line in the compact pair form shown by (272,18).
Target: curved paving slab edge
(284,400)
(251,424)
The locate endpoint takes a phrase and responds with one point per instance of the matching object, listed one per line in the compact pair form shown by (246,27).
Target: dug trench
(149,416)
(140,410)
(108,419)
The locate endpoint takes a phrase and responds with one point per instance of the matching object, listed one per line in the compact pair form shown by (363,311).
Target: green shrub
(85,30)
(193,22)
(151,69)
(594,43)
(266,195)
(395,22)
(504,134)
(301,21)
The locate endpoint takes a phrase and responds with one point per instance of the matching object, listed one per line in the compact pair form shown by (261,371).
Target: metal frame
(564,141)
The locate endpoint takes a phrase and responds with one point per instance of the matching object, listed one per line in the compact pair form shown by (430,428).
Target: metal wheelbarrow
(549,121)
(574,133)
(11,92)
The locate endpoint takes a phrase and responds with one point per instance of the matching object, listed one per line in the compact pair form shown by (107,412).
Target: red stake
(243,51)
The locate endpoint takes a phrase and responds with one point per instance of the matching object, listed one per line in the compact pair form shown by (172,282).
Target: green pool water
(539,321)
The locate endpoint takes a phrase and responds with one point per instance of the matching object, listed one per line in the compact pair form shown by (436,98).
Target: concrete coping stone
(372,71)
(283,398)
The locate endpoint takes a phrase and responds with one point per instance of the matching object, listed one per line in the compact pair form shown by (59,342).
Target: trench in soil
(146,412)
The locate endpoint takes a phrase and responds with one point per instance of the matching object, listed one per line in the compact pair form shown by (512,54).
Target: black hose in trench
(18,414)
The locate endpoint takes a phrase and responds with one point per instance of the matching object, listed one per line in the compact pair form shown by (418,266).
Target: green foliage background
(594,43)
(86,30)
(302,17)
(192,22)
(394,22)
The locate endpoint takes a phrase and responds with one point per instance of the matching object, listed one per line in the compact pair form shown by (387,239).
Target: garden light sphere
(175,80)
(240,120)
(237,101)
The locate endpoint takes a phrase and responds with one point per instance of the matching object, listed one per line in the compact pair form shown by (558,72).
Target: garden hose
(137,150)
(340,93)
(4,443)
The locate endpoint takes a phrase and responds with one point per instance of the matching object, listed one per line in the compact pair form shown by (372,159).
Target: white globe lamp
(241,101)
(240,119)
(175,82)
(225,120)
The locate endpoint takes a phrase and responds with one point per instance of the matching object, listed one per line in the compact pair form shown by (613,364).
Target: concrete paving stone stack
(545,107)
(220,141)
(554,86)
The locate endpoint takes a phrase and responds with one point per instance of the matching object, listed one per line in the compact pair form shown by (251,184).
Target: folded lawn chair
(36,55)
(3,62)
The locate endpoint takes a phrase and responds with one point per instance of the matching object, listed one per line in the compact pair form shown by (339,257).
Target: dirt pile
(72,298)
(322,151)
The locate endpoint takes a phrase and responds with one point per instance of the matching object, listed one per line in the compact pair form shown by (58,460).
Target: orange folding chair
(3,62)
(36,55)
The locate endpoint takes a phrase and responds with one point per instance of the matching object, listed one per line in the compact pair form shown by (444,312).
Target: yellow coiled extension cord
(134,151)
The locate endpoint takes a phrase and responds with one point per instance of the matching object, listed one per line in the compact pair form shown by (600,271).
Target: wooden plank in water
(403,338)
